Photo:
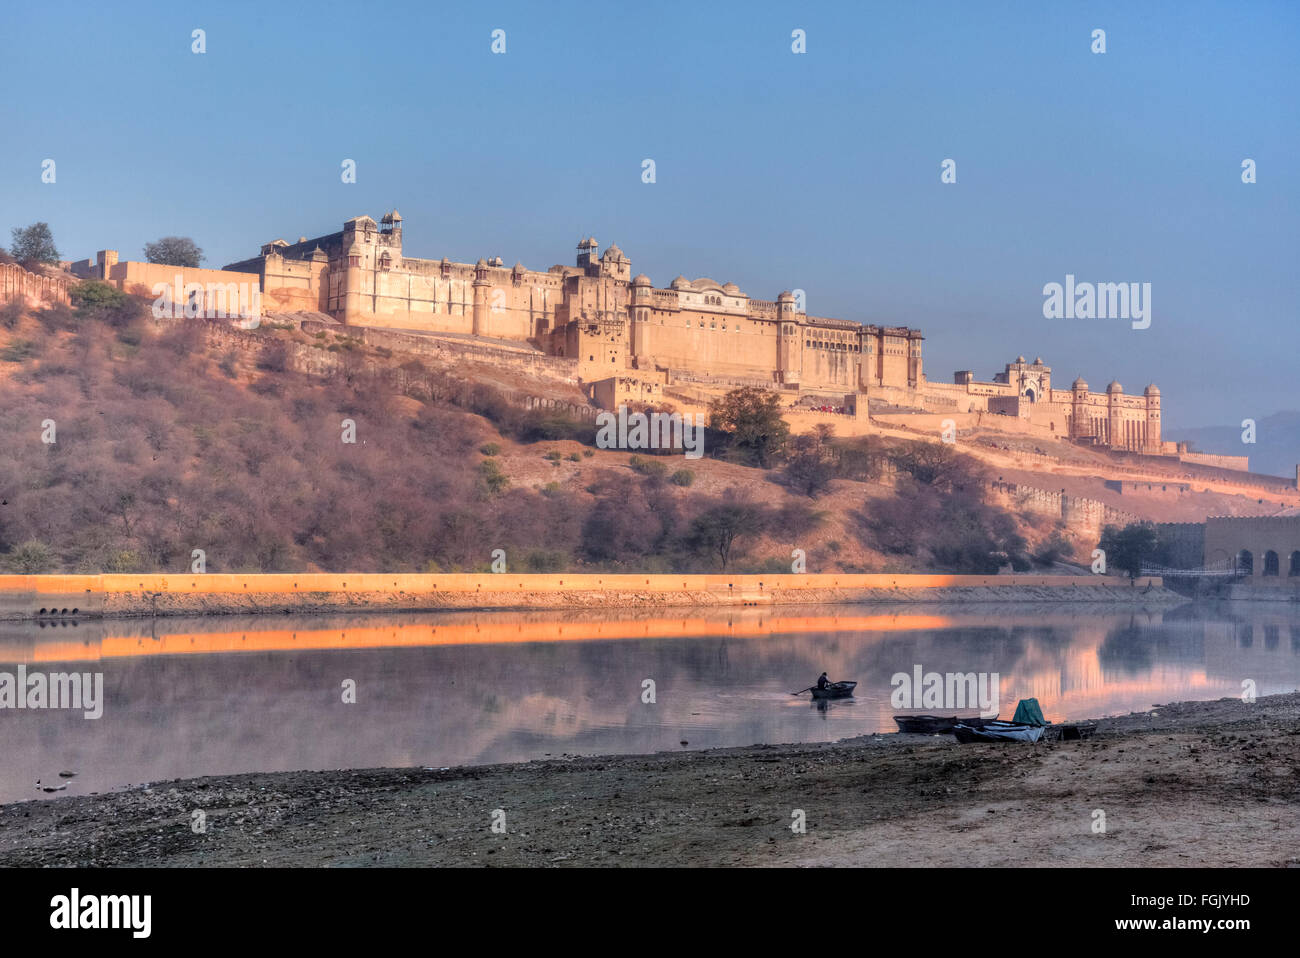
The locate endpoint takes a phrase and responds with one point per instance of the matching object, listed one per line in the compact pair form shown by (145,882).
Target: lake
(185,697)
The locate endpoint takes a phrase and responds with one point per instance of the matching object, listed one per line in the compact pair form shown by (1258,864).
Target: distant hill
(1277,442)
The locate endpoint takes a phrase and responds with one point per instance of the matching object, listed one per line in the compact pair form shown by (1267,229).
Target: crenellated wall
(32,288)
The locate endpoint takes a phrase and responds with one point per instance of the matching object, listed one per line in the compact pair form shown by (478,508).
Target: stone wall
(92,596)
(1077,512)
(32,288)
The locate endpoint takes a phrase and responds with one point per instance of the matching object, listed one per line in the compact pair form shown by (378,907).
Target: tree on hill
(715,531)
(174,251)
(748,424)
(103,301)
(34,244)
(811,464)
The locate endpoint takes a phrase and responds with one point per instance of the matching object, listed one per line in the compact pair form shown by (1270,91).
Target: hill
(166,441)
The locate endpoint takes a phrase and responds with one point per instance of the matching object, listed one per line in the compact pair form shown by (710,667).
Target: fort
(619,338)
(622,327)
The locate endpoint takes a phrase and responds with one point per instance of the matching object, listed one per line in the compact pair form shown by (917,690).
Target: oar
(802,691)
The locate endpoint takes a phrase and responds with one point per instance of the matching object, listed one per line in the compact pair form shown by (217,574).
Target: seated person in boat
(823,681)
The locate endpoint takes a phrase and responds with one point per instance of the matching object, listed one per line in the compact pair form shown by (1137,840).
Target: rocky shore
(1198,783)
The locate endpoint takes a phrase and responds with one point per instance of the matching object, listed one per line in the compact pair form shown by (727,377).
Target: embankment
(93,596)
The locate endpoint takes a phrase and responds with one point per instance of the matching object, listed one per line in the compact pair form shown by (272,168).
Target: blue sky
(774,170)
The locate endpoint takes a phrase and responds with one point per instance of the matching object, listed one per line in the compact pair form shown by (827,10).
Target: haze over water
(221,695)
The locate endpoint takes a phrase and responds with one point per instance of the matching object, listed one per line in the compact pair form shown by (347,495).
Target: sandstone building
(622,327)
(595,311)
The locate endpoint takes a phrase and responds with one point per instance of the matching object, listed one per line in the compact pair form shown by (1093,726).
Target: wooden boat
(835,690)
(931,724)
(997,732)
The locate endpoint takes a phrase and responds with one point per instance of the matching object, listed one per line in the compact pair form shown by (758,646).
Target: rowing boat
(835,690)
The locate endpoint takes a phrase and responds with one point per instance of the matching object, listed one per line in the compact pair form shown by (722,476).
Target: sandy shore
(1211,783)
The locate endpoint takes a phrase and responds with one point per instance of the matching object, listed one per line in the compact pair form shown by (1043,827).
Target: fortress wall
(1236,463)
(1226,536)
(294,285)
(32,288)
(1076,512)
(1156,490)
(697,341)
(1249,483)
(216,593)
(217,296)
(1186,542)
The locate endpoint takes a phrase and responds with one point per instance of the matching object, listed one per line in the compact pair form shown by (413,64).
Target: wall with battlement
(1076,512)
(1235,463)
(33,289)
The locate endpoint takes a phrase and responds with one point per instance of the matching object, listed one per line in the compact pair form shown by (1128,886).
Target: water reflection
(201,696)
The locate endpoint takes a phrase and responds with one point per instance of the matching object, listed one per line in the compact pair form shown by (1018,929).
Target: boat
(931,724)
(835,690)
(997,732)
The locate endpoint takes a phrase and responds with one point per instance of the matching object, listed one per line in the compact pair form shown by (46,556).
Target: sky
(774,170)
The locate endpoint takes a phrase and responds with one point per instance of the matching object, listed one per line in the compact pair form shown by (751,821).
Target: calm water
(203,696)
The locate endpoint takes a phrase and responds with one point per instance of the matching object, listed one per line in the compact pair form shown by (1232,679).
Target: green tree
(103,301)
(34,244)
(1128,548)
(749,421)
(173,251)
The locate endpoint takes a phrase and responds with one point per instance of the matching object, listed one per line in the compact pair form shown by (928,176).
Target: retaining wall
(65,596)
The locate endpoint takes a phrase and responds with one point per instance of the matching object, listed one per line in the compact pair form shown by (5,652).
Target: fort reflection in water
(222,695)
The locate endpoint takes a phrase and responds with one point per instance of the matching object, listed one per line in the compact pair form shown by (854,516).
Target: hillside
(167,441)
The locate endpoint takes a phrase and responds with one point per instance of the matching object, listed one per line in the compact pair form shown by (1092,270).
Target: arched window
(1245,562)
(1270,563)
(1295,563)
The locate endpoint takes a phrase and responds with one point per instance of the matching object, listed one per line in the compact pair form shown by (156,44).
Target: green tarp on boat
(1028,712)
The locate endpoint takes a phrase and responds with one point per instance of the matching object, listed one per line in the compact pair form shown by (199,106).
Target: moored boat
(997,732)
(931,724)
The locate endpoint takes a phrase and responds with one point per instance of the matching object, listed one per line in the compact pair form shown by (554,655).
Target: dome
(1038,360)
(1020,359)
(785,297)
(481,264)
(1114,387)
(731,288)
(681,282)
(1152,390)
(614,253)
(519,267)
(1080,383)
(641,279)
